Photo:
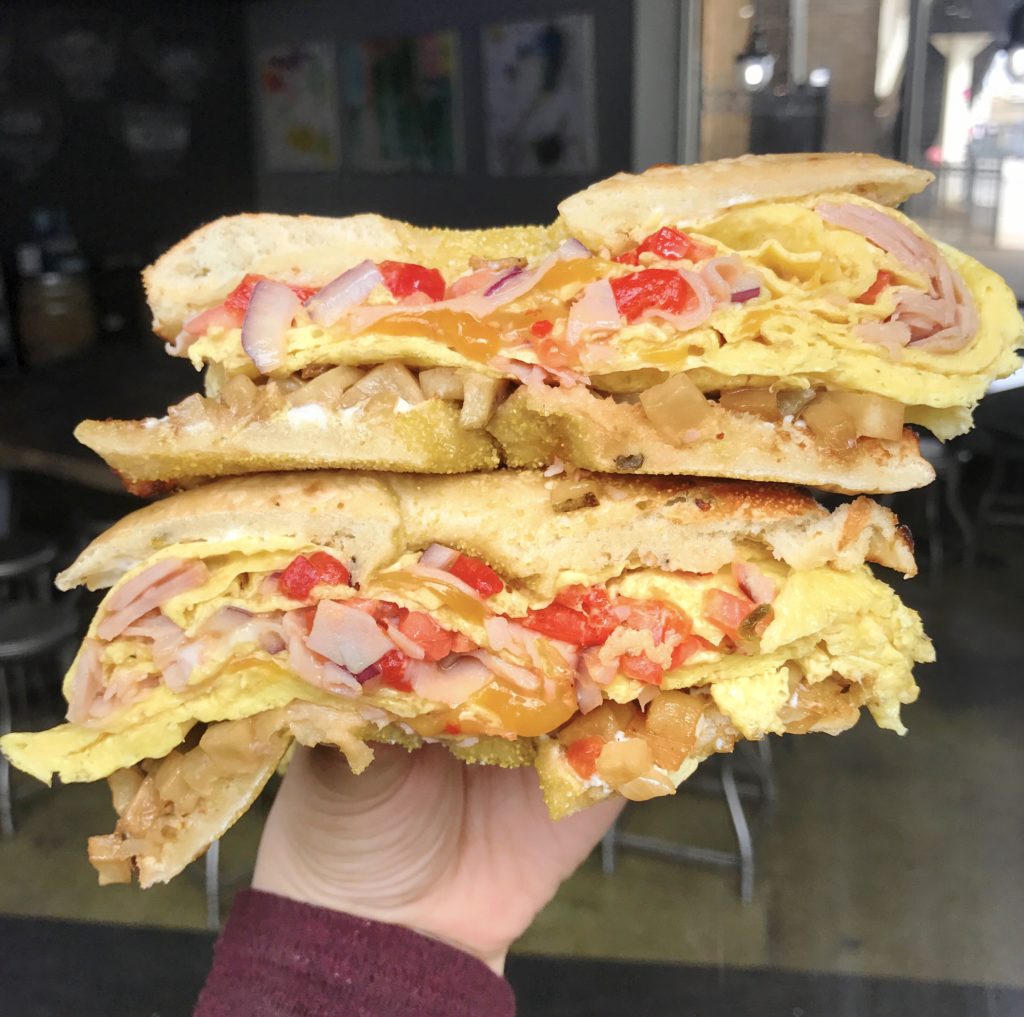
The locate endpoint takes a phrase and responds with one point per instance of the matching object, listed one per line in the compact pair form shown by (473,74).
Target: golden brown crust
(627,207)
(534,427)
(508,518)
(157,456)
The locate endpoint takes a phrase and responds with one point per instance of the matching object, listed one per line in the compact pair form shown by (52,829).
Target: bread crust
(508,519)
(622,210)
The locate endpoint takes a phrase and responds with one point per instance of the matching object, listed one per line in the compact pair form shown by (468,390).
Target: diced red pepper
(462,644)
(641,667)
(579,615)
(452,729)
(871,294)
(238,299)
(329,569)
(582,755)
(392,671)
(477,574)
(297,581)
(726,611)
(403,278)
(542,328)
(435,641)
(662,288)
(670,244)
(687,648)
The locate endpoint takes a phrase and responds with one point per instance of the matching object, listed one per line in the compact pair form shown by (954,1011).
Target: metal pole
(911,143)
(688,105)
(798,41)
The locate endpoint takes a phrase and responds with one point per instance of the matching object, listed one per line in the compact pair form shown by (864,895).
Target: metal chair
(34,640)
(756,757)
(26,564)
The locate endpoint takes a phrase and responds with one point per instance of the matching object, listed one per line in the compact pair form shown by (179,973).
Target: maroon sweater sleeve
(279,958)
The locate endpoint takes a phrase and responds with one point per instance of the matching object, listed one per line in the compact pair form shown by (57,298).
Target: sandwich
(611,632)
(767,318)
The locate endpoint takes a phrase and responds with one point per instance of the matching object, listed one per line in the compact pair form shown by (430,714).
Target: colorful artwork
(539,91)
(299,114)
(401,104)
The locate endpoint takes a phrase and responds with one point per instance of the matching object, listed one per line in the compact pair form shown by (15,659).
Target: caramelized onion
(675,407)
(480,395)
(791,401)
(388,379)
(839,418)
(623,761)
(239,394)
(830,423)
(441,383)
(326,389)
(758,402)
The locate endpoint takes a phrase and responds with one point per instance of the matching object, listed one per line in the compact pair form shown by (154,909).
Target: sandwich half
(612,633)
(762,318)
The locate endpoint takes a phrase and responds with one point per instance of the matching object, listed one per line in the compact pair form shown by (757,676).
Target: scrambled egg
(797,334)
(825,621)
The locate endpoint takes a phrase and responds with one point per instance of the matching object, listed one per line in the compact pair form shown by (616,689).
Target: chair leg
(958,511)
(6,804)
(932,509)
(992,488)
(608,849)
(742,830)
(213,886)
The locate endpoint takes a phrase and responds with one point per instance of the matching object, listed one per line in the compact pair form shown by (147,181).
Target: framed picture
(401,104)
(539,96)
(298,108)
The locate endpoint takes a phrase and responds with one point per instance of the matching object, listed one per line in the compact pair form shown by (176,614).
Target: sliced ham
(347,636)
(451,685)
(87,682)
(726,275)
(177,673)
(312,667)
(168,578)
(883,231)
(943,320)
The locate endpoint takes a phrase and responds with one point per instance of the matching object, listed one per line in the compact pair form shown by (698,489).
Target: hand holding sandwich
(467,855)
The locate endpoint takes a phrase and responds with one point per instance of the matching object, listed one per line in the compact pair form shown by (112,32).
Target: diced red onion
(367,673)
(271,311)
(437,556)
(445,577)
(526,680)
(588,694)
(742,296)
(595,308)
(572,248)
(350,288)
(496,287)
(272,642)
(347,636)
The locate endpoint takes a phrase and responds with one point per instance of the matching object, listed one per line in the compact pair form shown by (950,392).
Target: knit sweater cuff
(282,958)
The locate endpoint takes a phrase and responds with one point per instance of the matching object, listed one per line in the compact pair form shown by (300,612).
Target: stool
(756,757)
(32,636)
(25,566)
